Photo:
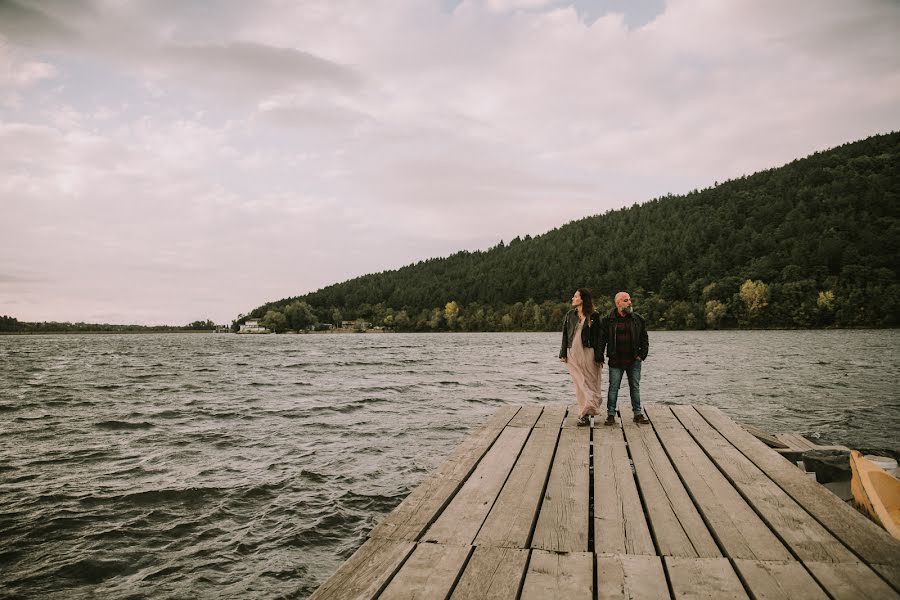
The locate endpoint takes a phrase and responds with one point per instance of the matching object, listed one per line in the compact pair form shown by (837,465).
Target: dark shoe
(610,420)
(585,420)
(641,420)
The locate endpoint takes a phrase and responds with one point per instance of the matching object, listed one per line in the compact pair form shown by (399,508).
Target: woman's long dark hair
(587,304)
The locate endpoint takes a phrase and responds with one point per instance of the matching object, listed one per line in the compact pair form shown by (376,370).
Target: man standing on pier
(624,334)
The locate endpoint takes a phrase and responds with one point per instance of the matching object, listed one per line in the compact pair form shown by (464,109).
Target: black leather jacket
(590,334)
(638,335)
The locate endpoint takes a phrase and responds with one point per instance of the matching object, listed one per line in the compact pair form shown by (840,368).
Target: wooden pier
(532,506)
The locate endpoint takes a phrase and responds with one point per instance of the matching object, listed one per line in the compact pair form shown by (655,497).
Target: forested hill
(811,244)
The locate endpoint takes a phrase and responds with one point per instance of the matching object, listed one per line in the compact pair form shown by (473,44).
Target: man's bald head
(623,303)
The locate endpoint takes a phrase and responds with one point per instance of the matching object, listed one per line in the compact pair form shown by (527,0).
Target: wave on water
(120,482)
(124,425)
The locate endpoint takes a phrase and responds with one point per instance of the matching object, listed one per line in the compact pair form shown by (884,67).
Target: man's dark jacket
(590,334)
(639,337)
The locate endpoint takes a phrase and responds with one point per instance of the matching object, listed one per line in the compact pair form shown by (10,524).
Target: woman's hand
(563,359)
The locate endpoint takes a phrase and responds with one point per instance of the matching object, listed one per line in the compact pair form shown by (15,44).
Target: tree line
(12,325)
(814,243)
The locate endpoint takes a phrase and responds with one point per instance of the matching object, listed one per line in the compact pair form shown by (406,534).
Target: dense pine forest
(811,244)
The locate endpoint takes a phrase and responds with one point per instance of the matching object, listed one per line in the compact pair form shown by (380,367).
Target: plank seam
(640,492)
(690,493)
(505,480)
(758,512)
(462,570)
(591,498)
(824,525)
(740,493)
(537,514)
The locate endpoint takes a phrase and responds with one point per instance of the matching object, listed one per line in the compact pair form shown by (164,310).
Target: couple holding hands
(585,335)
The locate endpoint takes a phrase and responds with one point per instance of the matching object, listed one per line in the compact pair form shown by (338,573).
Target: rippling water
(225,466)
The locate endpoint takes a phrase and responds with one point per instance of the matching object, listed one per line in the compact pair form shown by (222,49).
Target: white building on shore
(252,326)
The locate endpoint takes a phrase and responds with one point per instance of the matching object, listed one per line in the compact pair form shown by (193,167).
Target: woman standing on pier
(580,347)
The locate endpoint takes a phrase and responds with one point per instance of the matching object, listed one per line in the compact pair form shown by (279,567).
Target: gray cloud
(29,25)
(263,67)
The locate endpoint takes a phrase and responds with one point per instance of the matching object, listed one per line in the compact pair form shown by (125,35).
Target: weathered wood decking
(692,506)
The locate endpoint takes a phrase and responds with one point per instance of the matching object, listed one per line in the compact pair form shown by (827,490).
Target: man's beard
(627,310)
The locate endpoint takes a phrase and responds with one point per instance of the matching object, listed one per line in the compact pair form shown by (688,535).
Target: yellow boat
(876,493)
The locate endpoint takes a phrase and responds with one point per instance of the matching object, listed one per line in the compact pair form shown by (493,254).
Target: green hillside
(811,244)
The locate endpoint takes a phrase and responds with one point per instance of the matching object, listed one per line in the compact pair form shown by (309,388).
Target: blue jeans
(634,386)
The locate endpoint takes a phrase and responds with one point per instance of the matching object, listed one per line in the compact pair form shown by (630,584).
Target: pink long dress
(586,374)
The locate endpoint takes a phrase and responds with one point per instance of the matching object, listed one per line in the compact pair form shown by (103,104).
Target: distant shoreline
(344,332)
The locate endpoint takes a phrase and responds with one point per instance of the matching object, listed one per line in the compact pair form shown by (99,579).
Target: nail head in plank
(872,543)
(562,523)
(796,528)
(735,525)
(619,523)
(418,510)
(851,581)
(559,575)
(460,521)
(631,577)
(778,580)
(704,578)
(365,573)
(677,526)
(492,574)
(430,572)
(512,518)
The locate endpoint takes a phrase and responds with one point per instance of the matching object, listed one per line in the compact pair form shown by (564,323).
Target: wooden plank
(794,440)
(704,578)
(677,526)
(492,574)
(460,521)
(737,528)
(512,518)
(619,523)
(851,581)
(552,416)
(562,523)
(794,526)
(527,416)
(775,580)
(631,577)
(870,542)
(889,573)
(365,573)
(430,572)
(611,434)
(418,510)
(553,575)
(767,438)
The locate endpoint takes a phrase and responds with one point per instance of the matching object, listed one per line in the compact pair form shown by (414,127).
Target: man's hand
(563,359)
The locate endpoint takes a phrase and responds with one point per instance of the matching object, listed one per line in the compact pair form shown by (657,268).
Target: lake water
(225,466)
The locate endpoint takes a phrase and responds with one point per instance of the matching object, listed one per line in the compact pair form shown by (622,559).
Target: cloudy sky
(171,160)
